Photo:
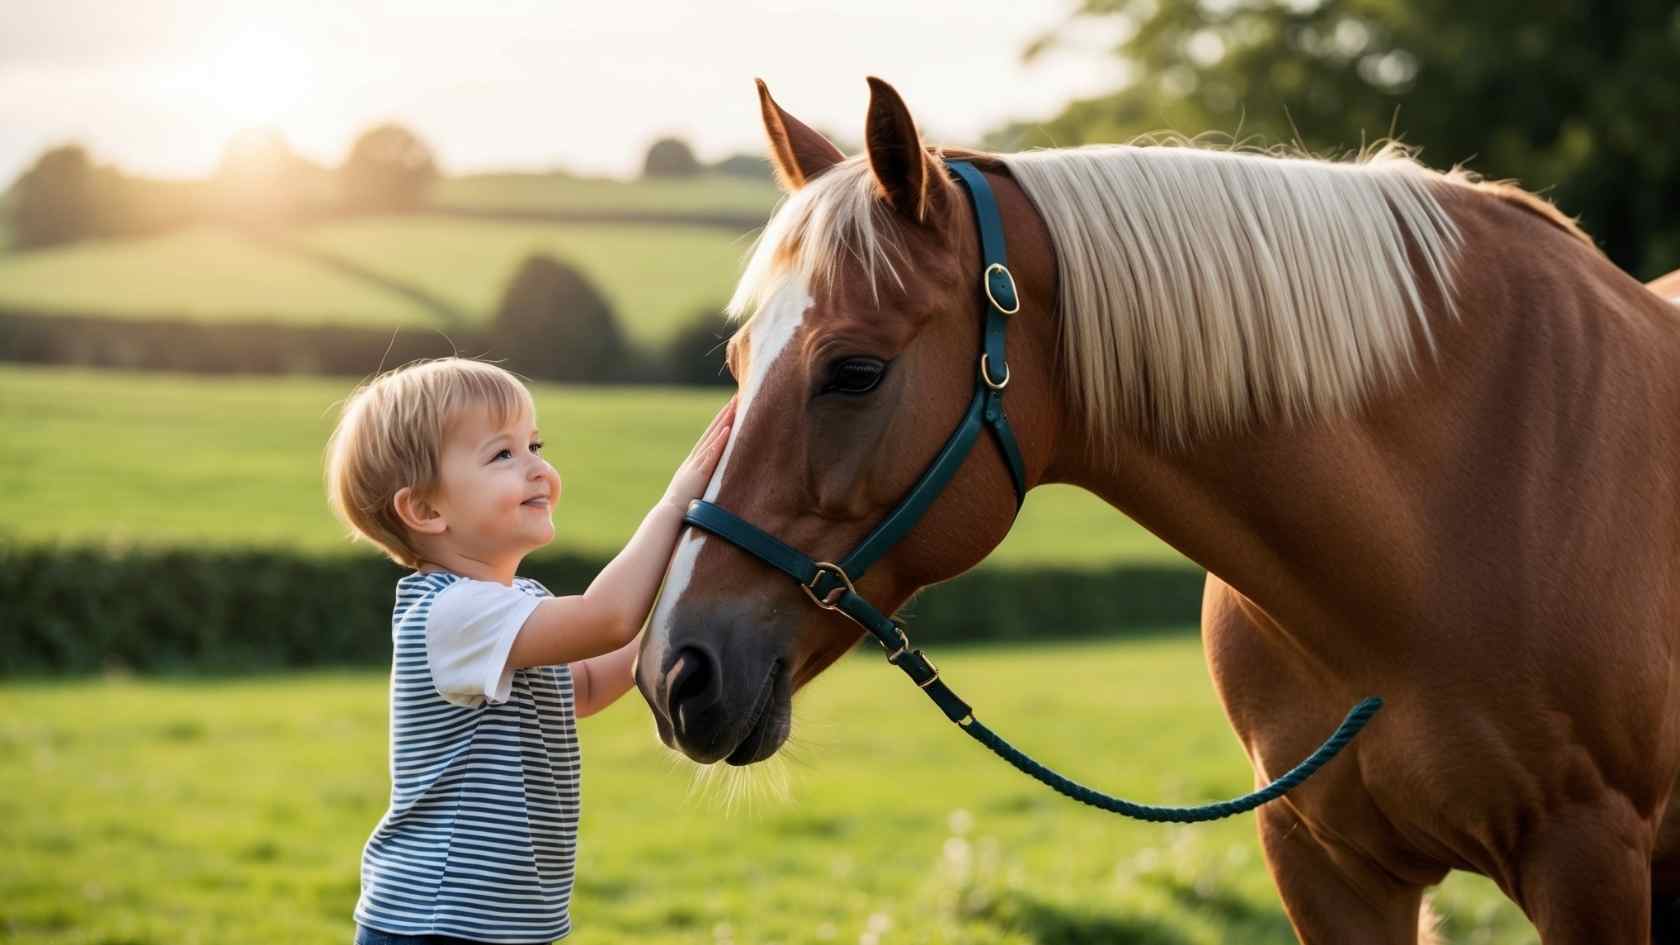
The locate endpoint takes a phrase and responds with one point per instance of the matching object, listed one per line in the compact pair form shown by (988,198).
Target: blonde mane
(1201,292)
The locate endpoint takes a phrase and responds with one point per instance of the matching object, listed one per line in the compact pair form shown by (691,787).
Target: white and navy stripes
(481,836)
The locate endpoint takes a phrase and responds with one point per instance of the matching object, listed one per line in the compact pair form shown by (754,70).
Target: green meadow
(425,272)
(205,272)
(117,458)
(191,811)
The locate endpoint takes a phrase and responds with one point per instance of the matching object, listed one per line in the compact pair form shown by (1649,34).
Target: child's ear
(417,513)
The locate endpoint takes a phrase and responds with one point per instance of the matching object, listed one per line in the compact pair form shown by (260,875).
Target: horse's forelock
(838,218)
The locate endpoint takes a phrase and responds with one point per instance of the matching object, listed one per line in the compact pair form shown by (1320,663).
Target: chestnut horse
(1420,433)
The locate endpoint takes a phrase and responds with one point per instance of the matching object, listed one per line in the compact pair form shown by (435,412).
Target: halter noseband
(831,585)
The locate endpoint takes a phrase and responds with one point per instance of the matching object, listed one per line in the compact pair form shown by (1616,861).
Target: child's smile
(496,493)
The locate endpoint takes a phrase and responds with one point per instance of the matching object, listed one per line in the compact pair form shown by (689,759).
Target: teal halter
(831,586)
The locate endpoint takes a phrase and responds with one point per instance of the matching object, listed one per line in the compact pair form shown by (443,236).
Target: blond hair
(390,436)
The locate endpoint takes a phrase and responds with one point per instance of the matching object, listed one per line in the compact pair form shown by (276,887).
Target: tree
(670,157)
(1575,99)
(260,179)
(388,169)
(57,199)
(554,324)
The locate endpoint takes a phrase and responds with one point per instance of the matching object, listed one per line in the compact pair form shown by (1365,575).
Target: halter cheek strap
(831,586)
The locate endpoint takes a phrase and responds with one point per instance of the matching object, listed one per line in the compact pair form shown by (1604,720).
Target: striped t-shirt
(481,834)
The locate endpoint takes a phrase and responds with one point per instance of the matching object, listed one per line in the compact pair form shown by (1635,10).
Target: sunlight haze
(160,88)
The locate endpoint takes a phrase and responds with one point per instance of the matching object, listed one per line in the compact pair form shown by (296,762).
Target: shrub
(670,157)
(553,323)
(695,355)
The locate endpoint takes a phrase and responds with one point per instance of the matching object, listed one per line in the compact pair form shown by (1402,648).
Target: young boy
(439,465)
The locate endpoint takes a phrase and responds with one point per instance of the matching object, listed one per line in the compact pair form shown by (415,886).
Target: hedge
(198,347)
(87,609)
(167,344)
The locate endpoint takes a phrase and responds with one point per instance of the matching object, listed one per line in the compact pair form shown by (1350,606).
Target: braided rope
(1344,733)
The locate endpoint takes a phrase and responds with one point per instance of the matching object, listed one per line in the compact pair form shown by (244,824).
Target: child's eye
(536,446)
(500,453)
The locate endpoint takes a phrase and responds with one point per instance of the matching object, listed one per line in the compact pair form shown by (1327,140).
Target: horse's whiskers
(731,786)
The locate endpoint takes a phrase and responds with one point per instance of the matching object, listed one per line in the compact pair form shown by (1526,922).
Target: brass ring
(986,283)
(986,373)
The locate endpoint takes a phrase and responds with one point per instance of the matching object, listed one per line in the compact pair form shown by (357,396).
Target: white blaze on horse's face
(772,329)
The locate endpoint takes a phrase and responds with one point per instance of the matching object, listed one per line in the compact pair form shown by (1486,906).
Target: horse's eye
(854,376)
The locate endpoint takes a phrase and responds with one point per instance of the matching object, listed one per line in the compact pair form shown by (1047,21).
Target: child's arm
(597,682)
(608,615)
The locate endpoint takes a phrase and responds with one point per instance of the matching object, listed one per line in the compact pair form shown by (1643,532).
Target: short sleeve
(469,632)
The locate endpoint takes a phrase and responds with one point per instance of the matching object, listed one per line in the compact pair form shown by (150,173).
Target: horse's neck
(1312,523)
(1489,475)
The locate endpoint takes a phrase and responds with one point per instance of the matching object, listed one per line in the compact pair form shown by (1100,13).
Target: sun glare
(256,79)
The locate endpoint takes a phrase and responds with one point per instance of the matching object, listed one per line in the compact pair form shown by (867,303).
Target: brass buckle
(986,283)
(829,601)
(903,642)
(931,679)
(986,373)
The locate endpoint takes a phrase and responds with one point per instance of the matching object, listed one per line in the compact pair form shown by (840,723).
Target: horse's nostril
(694,681)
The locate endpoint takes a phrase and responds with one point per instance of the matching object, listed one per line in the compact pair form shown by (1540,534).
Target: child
(439,465)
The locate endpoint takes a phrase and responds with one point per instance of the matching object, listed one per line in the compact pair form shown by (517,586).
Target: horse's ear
(912,183)
(797,151)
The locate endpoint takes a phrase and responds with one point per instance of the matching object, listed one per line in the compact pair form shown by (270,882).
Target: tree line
(65,195)
(1574,99)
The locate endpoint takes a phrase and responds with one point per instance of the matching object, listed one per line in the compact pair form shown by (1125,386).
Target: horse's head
(859,357)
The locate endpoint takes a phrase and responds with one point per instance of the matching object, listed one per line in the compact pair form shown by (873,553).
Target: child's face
(497,492)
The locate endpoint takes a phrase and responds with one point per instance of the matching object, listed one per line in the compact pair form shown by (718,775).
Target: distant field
(234,811)
(201,273)
(112,457)
(657,277)
(709,193)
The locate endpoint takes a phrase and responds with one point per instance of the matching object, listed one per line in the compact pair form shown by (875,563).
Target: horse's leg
(1585,877)
(1334,897)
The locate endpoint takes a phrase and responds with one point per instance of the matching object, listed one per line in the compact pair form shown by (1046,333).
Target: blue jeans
(367,936)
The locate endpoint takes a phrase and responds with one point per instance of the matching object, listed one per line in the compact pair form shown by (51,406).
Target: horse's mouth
(766,725)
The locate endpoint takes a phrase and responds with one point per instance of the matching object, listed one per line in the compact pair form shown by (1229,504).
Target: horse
(1419,431)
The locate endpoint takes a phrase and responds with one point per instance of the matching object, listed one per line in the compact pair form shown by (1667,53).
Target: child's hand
(696,471)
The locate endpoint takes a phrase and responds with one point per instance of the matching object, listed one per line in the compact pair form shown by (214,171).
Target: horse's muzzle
(713,710)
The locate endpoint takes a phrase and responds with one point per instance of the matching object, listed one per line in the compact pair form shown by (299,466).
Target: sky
(159,86)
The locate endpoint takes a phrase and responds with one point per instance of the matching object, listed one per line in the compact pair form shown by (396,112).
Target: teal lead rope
(1180,815)
(890,634)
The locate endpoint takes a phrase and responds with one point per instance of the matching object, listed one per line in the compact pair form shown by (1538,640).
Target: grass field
(113,457)
(656,277)
(710,193)
(233,811)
